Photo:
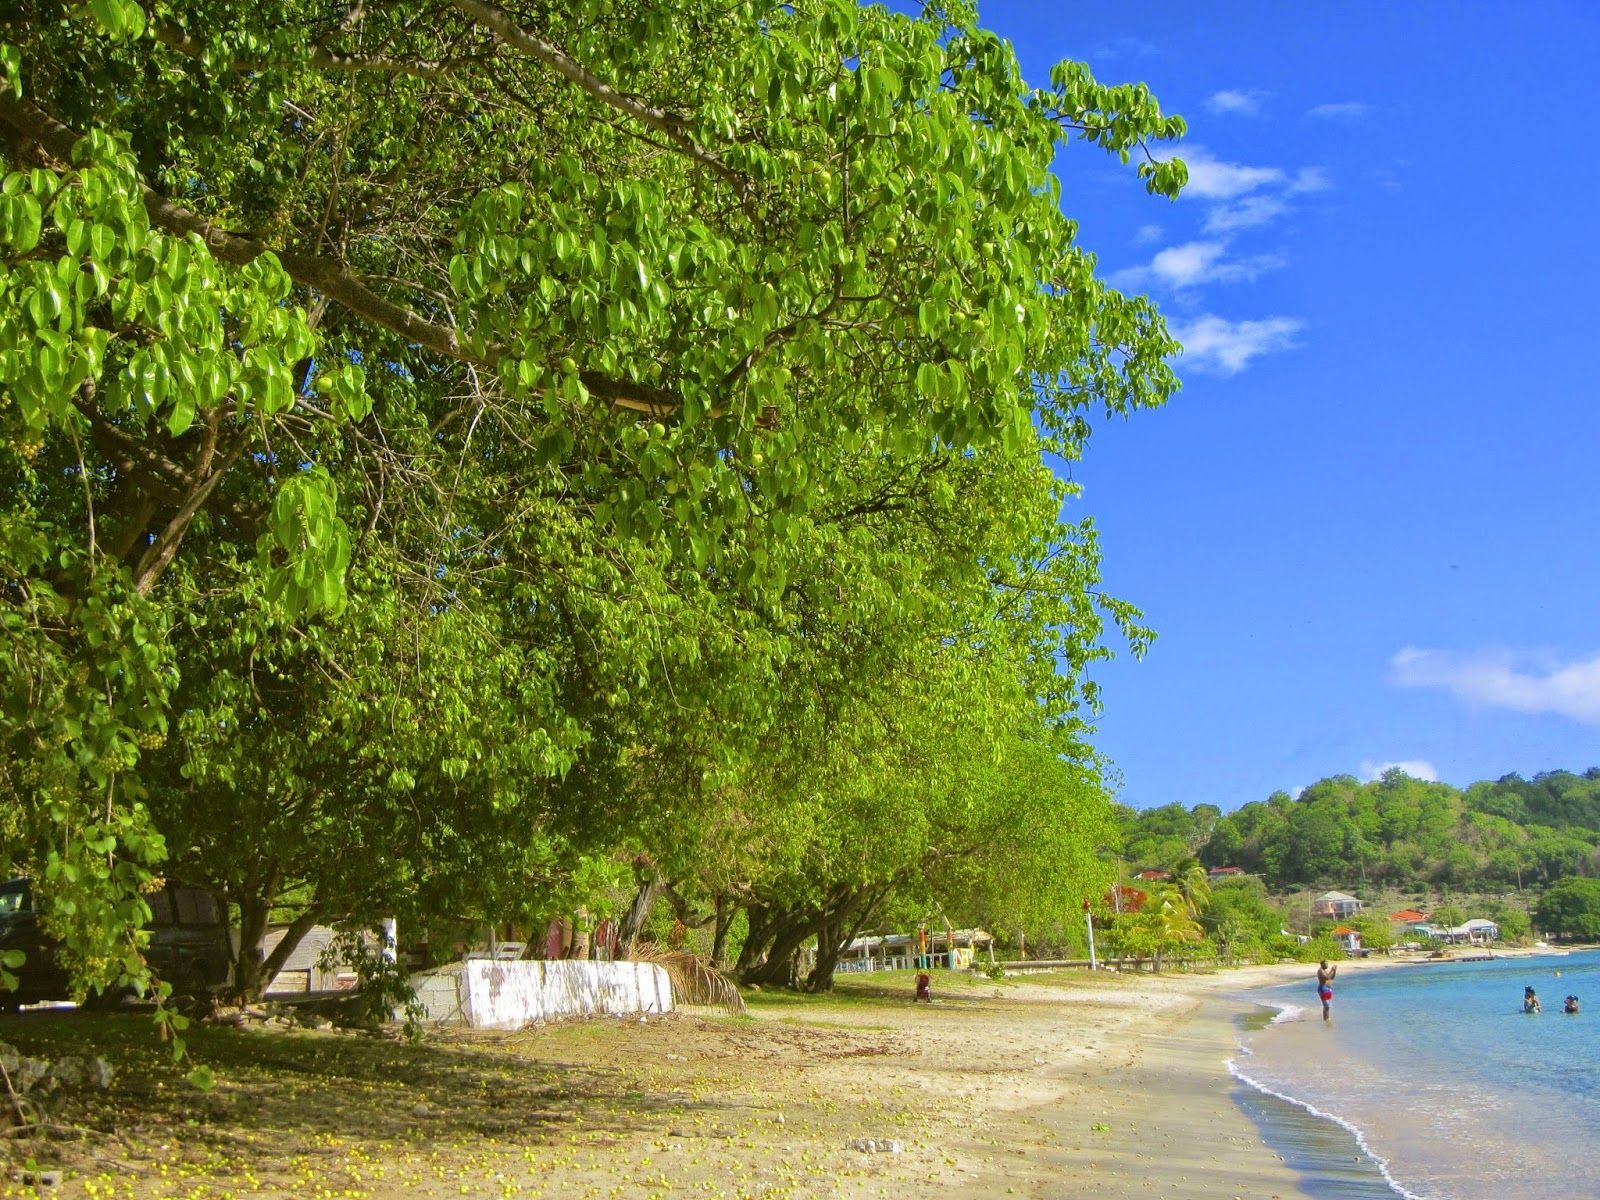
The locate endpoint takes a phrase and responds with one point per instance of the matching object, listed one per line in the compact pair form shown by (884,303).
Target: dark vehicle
(188,947)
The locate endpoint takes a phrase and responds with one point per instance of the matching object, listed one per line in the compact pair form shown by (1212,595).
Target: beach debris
(878,1145)
(1100,1127)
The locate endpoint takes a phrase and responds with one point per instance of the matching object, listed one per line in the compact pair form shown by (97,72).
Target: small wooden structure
(1350,939)
(952,948)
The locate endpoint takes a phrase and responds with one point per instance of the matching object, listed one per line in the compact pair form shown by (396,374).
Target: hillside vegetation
(1395,833)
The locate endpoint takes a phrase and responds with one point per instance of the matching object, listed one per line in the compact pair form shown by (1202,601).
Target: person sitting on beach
(1530,1000)
(1571,1005)
(1325,978)
(924,991)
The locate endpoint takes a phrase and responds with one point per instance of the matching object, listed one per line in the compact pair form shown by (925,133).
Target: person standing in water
(1325,977)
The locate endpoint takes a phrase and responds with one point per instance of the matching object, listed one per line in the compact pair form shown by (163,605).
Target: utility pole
(1088,921)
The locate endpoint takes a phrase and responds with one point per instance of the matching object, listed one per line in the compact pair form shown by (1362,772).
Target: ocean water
(1430,1083)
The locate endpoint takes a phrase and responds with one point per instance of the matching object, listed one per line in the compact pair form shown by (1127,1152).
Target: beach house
(1350,939)
(1479,931)
(1336,905)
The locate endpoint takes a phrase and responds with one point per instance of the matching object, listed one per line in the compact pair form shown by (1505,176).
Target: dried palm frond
(693,982)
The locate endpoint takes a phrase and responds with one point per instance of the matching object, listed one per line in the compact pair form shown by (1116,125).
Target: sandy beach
(1074,1085)
(1060,1085)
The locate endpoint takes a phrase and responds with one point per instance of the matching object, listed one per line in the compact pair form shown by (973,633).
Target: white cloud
(1224,347)
(1147,234)
(1417,768)
(1344,110)
(1210,178)
(1195,263)
(1234,101)
(1247,213)
(1309,179)
(1495,679)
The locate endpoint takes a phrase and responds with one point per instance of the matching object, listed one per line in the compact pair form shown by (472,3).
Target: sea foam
(1354,1130)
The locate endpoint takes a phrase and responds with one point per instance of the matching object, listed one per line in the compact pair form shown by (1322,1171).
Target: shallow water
(1435,1073)
(1332,1165)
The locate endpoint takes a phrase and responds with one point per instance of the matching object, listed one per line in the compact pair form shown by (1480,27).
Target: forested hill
(1395,831)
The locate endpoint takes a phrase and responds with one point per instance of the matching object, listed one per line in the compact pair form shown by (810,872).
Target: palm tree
(1193,885)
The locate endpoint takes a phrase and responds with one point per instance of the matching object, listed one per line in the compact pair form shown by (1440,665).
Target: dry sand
(1067,1085)
(1078,1085)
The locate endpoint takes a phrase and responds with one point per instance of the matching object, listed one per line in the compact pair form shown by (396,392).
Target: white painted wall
(508,995)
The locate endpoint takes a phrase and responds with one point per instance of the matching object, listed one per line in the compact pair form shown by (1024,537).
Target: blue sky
(1366,530)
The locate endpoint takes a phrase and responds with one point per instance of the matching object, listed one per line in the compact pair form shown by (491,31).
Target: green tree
(1239,918)
(1513,921)
(1570,909)
(1376,932)
(589,370)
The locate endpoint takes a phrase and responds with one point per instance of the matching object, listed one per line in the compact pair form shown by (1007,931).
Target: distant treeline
(1395,832)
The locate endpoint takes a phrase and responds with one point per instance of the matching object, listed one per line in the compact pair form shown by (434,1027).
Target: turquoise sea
(1429,1081)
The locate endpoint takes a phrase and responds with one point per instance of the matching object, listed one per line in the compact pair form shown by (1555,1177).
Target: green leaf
(182,414)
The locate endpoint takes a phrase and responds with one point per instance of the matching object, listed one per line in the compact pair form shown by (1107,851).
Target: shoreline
(1133,1092)
(1126,1090)
(1052,1086)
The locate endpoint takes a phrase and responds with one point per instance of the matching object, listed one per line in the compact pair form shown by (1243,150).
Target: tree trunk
(828,946)
(638,914)
(292,937)
(779,968)
(758,937)
(727,910)
(255,898)
(580,935)
(769,953)
(849,915)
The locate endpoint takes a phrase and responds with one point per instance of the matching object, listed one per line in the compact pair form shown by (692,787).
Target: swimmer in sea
(1571,1006)
(1325,977)
(1530,1000)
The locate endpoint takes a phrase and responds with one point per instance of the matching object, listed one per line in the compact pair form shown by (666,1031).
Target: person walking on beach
(1325,977)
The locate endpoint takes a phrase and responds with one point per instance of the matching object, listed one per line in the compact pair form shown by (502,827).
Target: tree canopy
(1570,908)
(453,447)
(1395,831)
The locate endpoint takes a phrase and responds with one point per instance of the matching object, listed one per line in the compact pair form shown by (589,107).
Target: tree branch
(507,30)
(328,60)
(329,277)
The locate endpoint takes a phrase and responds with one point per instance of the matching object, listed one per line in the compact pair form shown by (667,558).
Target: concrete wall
(508,995)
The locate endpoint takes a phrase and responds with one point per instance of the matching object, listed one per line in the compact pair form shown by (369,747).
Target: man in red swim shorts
(1325,976)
